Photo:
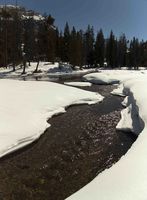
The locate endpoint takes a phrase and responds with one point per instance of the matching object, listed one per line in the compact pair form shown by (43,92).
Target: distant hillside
(23,12)
(25,35)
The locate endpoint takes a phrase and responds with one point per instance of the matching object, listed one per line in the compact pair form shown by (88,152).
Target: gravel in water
(75,149)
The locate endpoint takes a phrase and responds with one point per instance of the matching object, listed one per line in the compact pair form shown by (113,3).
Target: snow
(127,179)
(125,102)
(78,84)
(112,76)
(9,6)
(25,107)
(46,69)
(34,17)
(130,121)
(99,78)
(119,90)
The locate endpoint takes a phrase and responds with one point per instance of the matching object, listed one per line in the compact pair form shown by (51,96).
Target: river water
(78,146)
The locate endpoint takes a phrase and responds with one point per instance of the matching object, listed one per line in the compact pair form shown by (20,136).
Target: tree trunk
(24,66)
(14,67)
(36,70)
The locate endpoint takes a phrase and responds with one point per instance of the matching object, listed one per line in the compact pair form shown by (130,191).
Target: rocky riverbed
(76,148)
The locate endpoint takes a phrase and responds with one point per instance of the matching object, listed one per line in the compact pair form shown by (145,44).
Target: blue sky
(122,16)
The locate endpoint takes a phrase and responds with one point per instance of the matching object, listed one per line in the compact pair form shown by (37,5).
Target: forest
(26,39)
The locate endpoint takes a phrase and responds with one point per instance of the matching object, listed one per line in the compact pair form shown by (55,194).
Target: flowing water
(75,149)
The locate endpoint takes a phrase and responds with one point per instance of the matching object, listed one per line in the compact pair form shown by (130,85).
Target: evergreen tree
(51,39)
(61,46)
(111,51)
(1,42)
(50,20)
(29,39)
(6,37)
(89,46)
(143,53)
(100,49)
(73,47)
(134,53)
(122,51)
(58,45)
(66,43)
(16,38)
(76,48)
(80,48)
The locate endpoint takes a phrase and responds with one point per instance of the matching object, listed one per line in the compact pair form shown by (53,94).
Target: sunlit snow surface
(26,106)
(112,76)
(78,84)
(45,70)
(127,179)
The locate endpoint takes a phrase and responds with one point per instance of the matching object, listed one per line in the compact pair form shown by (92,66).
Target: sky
(121,16)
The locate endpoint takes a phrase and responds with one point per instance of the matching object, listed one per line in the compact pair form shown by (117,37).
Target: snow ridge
(25,108)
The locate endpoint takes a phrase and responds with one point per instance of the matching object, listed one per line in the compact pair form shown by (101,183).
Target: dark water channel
(78,146)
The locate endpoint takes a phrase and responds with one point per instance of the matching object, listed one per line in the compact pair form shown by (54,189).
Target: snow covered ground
(25,107)
(80,84)
(113,76)
(127,179)
(46,69)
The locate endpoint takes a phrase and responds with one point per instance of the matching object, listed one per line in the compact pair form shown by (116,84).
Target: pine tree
(122,51)
(134,53)
(73,47)
(143,53)
(61,46)
(58,57)
(51,39)
(29,39)
(80,48)
(66,43)
(76,48)
(6,24)
(2,40)
(11,31)
(100,49)
(111,51)
(16,38)
(89,46)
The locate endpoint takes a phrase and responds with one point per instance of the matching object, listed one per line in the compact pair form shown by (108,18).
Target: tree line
(26,40)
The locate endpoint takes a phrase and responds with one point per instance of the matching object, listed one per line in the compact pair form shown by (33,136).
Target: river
(79,145)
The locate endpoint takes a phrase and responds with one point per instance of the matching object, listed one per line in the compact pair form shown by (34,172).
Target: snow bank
(80,84)
(112,76)
(130,120)
(119,90)
(98,78)
(26,106)
(127,179)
